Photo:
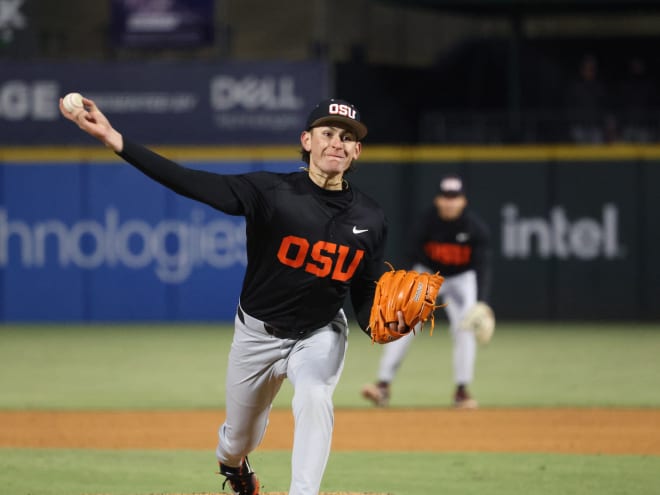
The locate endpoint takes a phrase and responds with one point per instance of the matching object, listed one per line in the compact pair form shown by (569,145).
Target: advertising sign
(570,240)
(155,23)
(81,242)
(164,103)
(105,243)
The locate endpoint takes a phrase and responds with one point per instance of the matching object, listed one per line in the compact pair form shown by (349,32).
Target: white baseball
(72,101)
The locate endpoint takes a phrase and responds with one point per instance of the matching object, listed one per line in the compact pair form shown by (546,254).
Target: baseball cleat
(377,393)
(463,400)
(242,479)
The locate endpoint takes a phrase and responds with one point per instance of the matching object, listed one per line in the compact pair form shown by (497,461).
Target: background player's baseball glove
(408,291)
(480,319)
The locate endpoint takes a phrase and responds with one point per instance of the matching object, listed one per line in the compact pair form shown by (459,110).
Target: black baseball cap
(451,186)
(337,111)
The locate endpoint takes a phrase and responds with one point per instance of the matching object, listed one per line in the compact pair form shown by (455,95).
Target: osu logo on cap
(343,110)
(451,184)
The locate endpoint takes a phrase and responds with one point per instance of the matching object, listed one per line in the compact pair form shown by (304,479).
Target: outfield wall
(84,237)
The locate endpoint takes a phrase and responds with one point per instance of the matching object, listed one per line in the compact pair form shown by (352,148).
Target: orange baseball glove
(413,293)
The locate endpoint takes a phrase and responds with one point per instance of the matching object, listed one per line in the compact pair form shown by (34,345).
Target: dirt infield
(585,431)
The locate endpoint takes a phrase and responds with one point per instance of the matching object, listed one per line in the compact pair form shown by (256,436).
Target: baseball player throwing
(312,238)
(454,242)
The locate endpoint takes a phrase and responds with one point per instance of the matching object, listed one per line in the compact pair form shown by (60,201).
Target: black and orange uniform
(307,247)
(453,247)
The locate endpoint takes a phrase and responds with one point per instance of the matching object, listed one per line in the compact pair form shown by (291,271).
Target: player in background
(312,238)
(455,242)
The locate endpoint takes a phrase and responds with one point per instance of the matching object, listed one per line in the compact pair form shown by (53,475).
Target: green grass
(183,367)
(71,472)
(525,365)
(112,366)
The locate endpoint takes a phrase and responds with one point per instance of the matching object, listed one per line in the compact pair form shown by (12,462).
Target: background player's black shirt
(307,246)
(453,247)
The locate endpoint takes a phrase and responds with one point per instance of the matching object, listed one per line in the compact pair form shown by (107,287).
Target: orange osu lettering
(448,254)
(285,247)
(323,259)
(340,275)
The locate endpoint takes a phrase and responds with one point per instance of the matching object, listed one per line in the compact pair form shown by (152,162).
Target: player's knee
(313,399)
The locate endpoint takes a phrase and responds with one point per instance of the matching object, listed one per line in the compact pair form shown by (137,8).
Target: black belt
(274,331)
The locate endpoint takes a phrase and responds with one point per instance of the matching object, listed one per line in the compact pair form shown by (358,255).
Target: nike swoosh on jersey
(462,236)
(359,231)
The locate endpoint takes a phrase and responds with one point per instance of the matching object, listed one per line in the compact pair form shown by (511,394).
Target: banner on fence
(164,103)
(95,242)
(104,243)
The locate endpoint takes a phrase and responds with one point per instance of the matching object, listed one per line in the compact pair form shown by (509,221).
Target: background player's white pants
(258,364)
(460,293)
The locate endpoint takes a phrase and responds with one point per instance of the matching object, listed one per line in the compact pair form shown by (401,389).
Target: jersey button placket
(331,229)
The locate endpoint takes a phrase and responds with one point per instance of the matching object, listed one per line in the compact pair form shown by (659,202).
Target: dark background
(423,71)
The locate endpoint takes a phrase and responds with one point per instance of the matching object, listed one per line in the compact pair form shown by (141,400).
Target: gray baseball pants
(258,364)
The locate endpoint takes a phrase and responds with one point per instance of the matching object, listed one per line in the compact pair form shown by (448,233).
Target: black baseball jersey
(306,246)
(453,247)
